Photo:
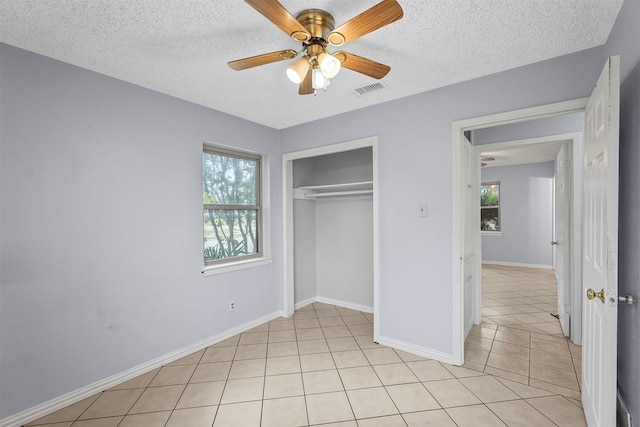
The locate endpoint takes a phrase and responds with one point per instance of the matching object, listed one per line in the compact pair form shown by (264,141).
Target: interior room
(355,290)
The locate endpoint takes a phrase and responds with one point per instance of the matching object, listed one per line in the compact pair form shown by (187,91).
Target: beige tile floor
(519,339)
(322,368)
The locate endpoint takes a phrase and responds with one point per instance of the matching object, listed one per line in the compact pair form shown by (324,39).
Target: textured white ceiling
(181,47)
(520,155)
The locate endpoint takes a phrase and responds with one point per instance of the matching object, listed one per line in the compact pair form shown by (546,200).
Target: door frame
(460,210)
(288,272)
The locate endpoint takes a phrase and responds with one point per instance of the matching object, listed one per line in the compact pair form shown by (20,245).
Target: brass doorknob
(591,294)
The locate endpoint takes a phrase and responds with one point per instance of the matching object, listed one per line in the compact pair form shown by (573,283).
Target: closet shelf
(333,190)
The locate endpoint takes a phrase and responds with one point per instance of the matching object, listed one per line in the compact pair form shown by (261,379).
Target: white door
(561,238)
(472,303)
(469,311)
(600,263)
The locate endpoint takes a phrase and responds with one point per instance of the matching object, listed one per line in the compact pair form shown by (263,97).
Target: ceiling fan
(314,28)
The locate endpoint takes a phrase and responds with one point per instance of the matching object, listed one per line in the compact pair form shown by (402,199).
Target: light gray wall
(346,166)
(624,41)
(623,38)
(415,165)
(344,234)
(304,260)
(304,234)
(304,172)
(101,244)
(557,125)
(629,242)
(526,202)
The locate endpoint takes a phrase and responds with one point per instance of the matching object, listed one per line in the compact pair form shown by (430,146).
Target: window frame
(498,231)
(240,261)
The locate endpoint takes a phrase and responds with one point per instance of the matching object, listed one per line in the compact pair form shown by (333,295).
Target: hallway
(519,340)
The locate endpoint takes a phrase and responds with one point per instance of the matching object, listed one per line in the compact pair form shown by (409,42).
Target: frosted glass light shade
(317,79)
(298,70)
(329,65)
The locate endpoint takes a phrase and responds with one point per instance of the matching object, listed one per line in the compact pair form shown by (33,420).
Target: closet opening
(330,227)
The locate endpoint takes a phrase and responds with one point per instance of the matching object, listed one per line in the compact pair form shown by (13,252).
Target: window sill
(212,270)
(491,233)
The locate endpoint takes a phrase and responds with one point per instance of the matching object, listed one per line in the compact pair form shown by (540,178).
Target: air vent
(366,90)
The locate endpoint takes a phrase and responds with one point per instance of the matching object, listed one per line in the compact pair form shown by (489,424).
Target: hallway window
(490,206)
(231,201)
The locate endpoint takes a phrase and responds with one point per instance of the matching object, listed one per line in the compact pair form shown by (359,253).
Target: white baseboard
(339,303)
(60,402)
(518,264)
(305,303)
(414,349)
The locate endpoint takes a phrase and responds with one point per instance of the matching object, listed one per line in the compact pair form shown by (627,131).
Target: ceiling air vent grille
(366,90)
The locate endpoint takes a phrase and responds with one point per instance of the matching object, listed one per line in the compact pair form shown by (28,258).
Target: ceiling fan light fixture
(315,29)
(298,70)
(329,65)
(317,79)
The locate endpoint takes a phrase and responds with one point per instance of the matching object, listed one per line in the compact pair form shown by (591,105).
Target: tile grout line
(304,391)
(224,387)
(183,391)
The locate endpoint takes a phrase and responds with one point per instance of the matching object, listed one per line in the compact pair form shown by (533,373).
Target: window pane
(489,194)
(228,180)
(230,233)
(489,220)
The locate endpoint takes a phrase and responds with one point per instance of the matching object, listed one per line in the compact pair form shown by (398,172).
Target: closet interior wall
(333,229)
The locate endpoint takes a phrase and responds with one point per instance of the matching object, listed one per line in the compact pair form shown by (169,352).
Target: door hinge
(567,164)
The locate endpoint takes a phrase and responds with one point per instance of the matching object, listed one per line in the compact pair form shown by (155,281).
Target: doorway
(468,247)
(598,261)
(538,213)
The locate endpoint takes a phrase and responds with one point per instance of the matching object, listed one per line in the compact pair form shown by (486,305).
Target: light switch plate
(422,209)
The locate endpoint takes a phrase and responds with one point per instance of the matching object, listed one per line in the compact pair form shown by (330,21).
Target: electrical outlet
(232,306)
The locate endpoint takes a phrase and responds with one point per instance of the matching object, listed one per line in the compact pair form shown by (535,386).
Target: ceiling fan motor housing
(317,22)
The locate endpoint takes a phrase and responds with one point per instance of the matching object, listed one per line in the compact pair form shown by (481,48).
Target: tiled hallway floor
(519,339)
(322,368)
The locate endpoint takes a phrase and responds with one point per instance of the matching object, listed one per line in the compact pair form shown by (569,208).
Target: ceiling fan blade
(306,87)
(362,65)
(281,18)
(384,13)
(266,58)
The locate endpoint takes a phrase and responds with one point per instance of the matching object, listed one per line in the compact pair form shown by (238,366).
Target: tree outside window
(490,206)
(231,200)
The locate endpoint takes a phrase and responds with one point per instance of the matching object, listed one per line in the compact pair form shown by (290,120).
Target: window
(231,201)
(490,206)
